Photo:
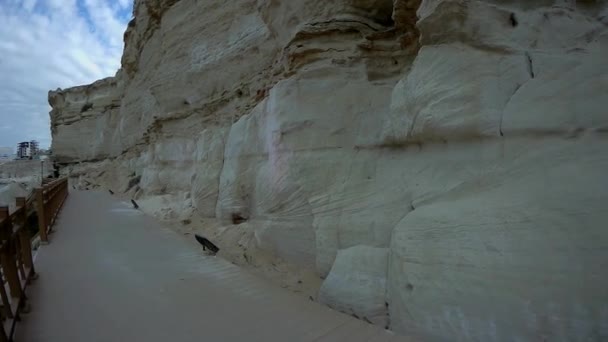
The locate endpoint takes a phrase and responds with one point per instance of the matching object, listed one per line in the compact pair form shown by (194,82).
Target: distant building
(27,149)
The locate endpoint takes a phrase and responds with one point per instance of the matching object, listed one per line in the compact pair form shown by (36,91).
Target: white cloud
(49,44)
(125,4)
(29,5)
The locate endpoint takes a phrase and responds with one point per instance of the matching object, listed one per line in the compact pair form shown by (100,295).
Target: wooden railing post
(42,217)
(3,336)
(16,258)
(7,256)
(6,307)
(7,312)
(24,238)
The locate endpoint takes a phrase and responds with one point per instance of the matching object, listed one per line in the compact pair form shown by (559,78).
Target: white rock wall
(464,139)
(357,283)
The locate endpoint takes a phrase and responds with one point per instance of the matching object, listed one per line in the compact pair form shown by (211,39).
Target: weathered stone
(464,137)
(357,284)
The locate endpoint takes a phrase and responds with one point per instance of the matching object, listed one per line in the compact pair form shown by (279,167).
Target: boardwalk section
(111,273)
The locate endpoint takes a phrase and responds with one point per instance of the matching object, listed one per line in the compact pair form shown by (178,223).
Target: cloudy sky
(50,44)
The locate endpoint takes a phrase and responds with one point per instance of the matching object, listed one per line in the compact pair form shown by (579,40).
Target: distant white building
(27,149)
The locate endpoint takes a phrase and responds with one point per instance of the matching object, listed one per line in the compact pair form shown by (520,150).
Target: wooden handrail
(49,200)
(16,258)
(17,265)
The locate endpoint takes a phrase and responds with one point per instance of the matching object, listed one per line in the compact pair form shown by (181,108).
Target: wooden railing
(16,259)
(49,200)
(17,265)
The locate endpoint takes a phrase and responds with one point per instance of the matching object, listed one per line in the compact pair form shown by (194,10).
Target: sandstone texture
(441,163)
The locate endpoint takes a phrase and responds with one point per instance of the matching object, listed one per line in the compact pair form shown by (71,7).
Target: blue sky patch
(50,44)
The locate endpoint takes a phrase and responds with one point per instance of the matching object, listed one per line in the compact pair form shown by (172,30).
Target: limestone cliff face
(441,162)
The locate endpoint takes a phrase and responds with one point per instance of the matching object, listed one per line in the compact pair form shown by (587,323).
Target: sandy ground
(237,245)
(236,242)
(111,273)
(19,178)
(11,188)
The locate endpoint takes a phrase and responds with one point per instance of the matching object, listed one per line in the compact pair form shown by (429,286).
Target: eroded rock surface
(464,138)
(357,283)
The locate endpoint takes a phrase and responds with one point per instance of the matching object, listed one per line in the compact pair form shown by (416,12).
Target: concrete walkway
(111,273)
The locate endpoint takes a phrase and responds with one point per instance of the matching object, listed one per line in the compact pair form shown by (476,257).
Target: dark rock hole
(133,182)
(238,218)
(513,20)
(86,107)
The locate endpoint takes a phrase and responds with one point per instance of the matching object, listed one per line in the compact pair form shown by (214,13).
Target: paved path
(111,273)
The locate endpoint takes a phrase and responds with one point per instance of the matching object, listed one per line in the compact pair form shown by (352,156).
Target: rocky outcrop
(86,119)
(462,138)
(357,284)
